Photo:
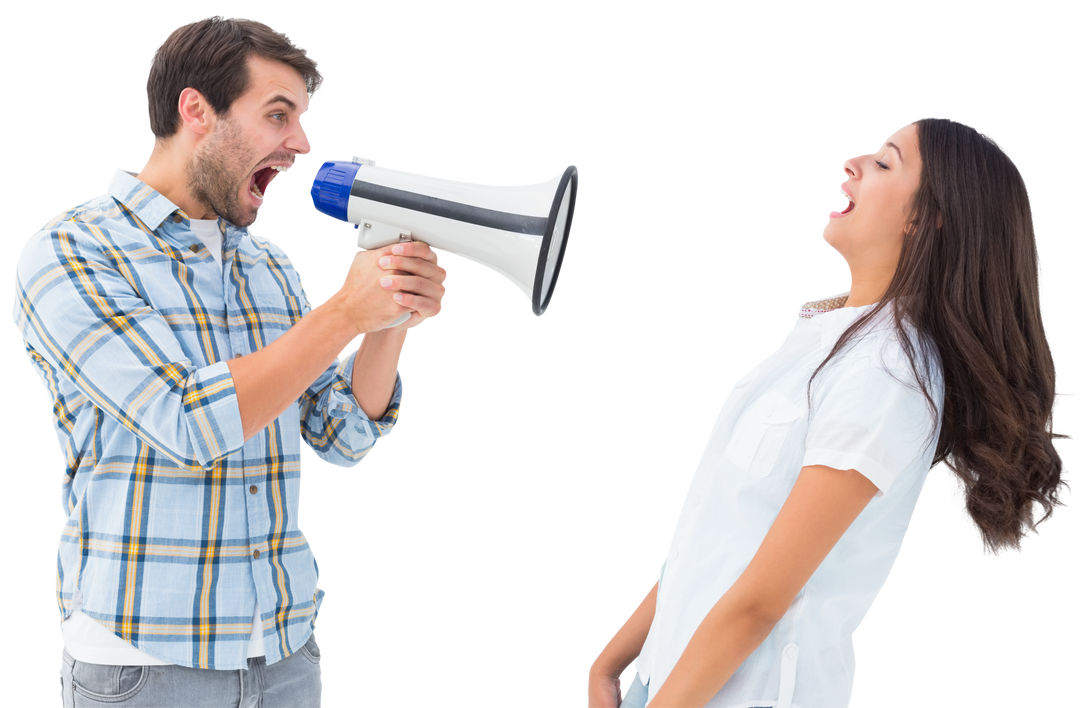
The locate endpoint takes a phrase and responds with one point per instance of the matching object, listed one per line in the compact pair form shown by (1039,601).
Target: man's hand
(413,273)
(386,283)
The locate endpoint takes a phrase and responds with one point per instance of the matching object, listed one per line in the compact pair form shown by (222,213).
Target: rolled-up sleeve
(334,424)
(81,313)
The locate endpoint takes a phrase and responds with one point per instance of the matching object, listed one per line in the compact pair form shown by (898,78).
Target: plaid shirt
(175,524)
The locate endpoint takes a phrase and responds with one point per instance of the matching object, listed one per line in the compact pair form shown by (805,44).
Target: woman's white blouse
(866,413)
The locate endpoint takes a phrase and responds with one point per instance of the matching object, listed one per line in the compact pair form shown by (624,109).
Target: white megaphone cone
(520,232)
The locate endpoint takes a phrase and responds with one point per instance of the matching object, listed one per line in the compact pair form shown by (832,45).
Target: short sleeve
(869,414)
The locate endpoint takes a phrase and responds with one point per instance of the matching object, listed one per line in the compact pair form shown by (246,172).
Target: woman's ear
(916,222)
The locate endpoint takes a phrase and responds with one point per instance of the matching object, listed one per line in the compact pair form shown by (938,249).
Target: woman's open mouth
(835,214)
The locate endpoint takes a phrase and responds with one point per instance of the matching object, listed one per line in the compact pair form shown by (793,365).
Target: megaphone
(520,232)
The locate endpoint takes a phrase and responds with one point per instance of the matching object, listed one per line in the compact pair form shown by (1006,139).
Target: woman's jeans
(635,694)
(293,682)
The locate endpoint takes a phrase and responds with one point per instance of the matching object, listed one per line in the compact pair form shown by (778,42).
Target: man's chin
(242,220)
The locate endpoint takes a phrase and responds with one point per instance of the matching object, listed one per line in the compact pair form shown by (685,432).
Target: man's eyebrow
(281,99)
(897,147)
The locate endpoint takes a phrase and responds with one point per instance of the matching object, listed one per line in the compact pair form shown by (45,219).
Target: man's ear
(195,112)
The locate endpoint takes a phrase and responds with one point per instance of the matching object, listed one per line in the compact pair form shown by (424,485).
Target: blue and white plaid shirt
(175,524)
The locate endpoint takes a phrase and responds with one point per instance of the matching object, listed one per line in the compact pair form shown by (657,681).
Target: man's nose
(298,142)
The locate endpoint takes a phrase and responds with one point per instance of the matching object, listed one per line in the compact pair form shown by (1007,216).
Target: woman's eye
(881,164)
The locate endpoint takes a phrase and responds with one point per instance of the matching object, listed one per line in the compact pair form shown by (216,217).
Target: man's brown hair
(210,56)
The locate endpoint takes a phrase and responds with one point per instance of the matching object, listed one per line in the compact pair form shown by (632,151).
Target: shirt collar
(151,207)
(832,318)
(820,307)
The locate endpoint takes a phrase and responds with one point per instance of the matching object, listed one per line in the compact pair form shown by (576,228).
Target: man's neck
(165,173)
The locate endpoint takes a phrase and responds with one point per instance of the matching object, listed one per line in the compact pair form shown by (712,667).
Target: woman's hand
(604,690)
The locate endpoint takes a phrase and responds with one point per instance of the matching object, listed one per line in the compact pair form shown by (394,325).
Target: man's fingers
(411,249)
(416,266)
(428,308)
(411,272)
(415,249)
(413,284)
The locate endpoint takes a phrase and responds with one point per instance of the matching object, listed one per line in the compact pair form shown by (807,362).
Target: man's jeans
(294,682)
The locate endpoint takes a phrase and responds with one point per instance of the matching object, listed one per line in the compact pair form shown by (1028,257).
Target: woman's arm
(625,642)
(725,638)
(822,505)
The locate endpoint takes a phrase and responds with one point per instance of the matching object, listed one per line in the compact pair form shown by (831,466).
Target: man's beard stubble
(212,175)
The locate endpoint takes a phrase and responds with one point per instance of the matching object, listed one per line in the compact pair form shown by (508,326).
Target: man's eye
(281,116)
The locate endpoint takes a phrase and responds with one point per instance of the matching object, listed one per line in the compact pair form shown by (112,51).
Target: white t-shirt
(867,414)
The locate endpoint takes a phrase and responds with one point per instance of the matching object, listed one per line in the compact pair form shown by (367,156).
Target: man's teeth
(281,171)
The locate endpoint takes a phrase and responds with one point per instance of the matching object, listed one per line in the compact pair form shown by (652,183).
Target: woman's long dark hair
(967,282)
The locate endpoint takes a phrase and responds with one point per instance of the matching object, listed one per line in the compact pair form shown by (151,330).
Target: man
(185,365)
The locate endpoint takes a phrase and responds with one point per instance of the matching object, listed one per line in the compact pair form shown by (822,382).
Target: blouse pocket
(760,434)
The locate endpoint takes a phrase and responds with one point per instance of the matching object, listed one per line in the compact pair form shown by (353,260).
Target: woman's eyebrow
(897,148)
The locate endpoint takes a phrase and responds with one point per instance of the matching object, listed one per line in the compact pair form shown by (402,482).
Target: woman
(808,482)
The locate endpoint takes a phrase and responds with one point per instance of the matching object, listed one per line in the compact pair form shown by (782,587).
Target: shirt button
(792,651)
(194,248)
(255,555)
(177,218)
(253,489)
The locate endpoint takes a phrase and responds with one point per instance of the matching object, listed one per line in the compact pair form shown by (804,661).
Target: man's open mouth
(262,178)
